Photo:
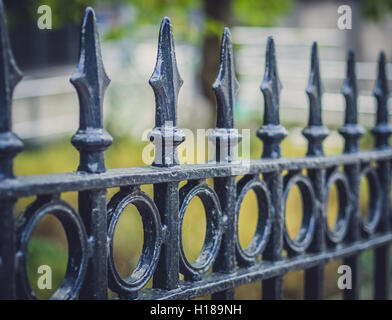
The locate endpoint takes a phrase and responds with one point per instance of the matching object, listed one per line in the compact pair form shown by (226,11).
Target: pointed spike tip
(226,32)
(89,19)
(270,53)
(314,55)
(226,38)
(90,73)
(166,19)
(166,80)
(351,54)
(271,86)
(226,84)
(270,63)
(226,41)
(89,11)
(314,89)
(350,73)
(381,57)
(382,81)
(270,45)
(166,22)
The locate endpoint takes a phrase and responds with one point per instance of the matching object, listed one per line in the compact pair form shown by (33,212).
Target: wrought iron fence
(91,269)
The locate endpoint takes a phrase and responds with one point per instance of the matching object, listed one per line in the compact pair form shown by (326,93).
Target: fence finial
(91,81)
(382,130)
(315,132)
(166,80)
(166,83)
(351,131)
(225,87)
(10,75)
(272,132)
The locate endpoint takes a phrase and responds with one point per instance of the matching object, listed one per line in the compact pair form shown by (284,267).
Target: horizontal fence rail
(223,263)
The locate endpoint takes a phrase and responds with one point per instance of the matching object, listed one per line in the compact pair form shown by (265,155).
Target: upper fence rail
(91,269)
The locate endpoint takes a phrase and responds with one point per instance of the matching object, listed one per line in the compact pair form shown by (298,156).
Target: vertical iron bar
(7,250)
(92,207)
(315,133)
(381,273)
(273,287)
(353,263)
(166,198)
(314,277)
(225,260)
(382,132)
(272,133)
(166,83)
(352,132)
(226,138)
(10,146)
(381,262)
(91,140)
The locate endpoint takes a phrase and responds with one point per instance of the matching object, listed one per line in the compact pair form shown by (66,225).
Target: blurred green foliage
(376,9)
(43,251)
(246,12)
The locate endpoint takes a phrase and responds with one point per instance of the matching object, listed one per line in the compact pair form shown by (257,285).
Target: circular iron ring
(77,246)
(213,237)
(340,229)
(374,215)
(263,229)
(305,235)
(152,240)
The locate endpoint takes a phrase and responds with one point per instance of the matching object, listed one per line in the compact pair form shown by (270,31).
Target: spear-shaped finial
(351,131)
(350,90)
(10,75)
(166,80)
(226,86)
(271,133)
(382,130)
(166,83)
(91,81)
(315,132)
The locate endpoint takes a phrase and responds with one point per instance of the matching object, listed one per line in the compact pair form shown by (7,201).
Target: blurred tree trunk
(218,11)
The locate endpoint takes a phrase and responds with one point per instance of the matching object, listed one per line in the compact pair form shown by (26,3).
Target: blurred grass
(47,247)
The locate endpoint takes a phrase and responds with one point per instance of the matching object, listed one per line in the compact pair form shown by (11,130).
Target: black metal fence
(91,269)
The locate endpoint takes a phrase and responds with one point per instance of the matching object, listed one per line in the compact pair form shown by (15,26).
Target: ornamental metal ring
(305,235)
(152,240)
(370,224)
(214,230)
(263,229)
(339,231)
(77,246)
